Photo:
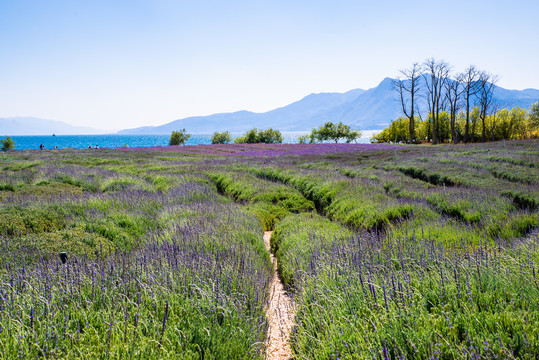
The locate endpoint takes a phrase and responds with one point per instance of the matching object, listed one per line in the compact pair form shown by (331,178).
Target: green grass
(269,201)
(432,254)
(297,237)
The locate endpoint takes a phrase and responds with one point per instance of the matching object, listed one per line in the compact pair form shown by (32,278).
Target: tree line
(253,136)
(460,107)
(327,132)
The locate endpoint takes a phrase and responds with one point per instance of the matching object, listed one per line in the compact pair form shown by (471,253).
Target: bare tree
(407,85)
(453,93)
(435,77)
(485,92)
(470,88)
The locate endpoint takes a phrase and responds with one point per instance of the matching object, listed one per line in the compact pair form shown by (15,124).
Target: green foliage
(418,306)
(534,117)
(7,143)
(509,124)
(299,236)
(250,137)
(352,135)
(146,304)
(306,139)
(269,201)
(515,123)
(334,132)
(270,136)
(397,131)
(253,136)
(451,275)
(84,184)
(428,176)
(523,200)
(221,137)
(361,206)
(179,137)
(18,221)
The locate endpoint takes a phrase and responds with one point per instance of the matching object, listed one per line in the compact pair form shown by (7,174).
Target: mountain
(299,115)
(362,109)
(513,98)
(36,126)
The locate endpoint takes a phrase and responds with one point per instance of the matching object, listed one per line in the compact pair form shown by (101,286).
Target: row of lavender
(452,277)
(444,238)
(158,265)
(411,298)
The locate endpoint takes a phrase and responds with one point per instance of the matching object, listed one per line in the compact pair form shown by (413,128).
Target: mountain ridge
(369,109)
(28,125)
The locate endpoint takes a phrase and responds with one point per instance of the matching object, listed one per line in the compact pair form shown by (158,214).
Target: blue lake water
(114,141)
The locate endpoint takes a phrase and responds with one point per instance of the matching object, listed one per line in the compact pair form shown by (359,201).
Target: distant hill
(299,115)
(362,109)
(36,126)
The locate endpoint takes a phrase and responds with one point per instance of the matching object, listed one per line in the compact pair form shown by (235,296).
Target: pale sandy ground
(280,314)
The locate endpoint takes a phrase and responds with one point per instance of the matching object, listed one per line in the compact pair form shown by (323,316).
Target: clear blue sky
(114,64)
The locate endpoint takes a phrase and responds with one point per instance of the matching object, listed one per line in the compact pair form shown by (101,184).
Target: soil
(280,314)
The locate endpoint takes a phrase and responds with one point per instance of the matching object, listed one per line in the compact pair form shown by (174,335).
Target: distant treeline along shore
(440,106)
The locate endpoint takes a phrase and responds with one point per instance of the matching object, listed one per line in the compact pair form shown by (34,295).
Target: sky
(115,64)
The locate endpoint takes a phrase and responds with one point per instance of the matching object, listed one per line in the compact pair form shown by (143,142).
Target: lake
(131,141)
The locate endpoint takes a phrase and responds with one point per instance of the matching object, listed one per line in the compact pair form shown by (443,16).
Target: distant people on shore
(55,147)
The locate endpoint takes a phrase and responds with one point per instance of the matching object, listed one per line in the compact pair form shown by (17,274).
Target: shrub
(270,136)
(179,137)
(306,139)
(253,136)
(333,132)
(221,137)
(7,144)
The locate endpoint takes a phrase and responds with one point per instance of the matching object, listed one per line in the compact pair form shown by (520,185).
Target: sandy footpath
(280,314)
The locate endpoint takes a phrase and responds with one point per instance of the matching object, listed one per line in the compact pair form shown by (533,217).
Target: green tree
(474,128)
(250,137)
(179,137)
(443,122)
(221,137)
(306,139)
(253,136)
(503,130)
(7,144)
(397,131)
(353,135)
(334,132)
(270,136)
(533,118)
(519,127)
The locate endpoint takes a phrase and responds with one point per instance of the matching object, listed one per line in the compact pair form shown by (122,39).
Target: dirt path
(280,314)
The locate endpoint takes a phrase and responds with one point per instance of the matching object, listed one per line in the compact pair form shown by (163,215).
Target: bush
(306,139)
(7,144)
(250,137)
(270,136)
(179,137)
(254,136)
(330,131)
(221,137)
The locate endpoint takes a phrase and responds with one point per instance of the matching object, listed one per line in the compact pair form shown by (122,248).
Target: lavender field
(406,252)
